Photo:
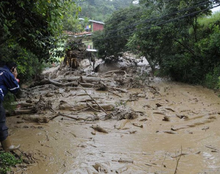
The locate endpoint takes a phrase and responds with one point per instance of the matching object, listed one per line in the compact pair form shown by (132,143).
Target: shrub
(212,79)
(7,160)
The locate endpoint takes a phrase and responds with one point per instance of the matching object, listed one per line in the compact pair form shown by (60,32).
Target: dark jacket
(7,82)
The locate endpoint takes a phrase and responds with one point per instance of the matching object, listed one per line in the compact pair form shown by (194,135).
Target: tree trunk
(151,64)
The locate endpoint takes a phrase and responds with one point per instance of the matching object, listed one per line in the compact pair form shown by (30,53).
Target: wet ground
(177,131)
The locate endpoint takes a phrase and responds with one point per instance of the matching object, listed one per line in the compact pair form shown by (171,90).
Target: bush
(7,160)
(28,64)
(212,79)
(8,102)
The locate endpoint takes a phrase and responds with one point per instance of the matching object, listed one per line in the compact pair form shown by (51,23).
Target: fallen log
(99,129)
(63,84)
(68,79)
(25,104)
(87,85)
(83,79)
(106,107)
(116,71)
(92,107)
(36,119)
(82,106)
(21,112)
(114,93)
(125,161)
(90,79)
(41,82)
(95,101)
(119,89)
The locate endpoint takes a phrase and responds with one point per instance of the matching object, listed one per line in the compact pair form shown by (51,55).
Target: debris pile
(75,52)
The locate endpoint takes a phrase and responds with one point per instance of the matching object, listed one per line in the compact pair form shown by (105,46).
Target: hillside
(101,9)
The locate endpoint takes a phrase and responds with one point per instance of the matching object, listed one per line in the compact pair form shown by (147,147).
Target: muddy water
(179,131)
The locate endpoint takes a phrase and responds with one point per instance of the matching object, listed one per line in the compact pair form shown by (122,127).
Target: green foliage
(212,79)
(153,43)
(8,100)
(118,28)
(199,63)
(209,20)
(7,160)
(211,51)
(100,43)
(57,53)
(32,29)
(182,68)
(33,25)
(173,38)
(70,18)
(180,36)
(101,10)
(28,64)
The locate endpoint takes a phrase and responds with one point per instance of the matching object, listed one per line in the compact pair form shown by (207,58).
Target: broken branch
(95,101)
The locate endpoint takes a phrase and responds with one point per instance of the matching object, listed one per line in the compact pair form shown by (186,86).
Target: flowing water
(178,132)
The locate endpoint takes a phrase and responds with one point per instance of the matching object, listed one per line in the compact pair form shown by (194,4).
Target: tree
(101,10)
(163,35)
(33,24)
(100,43)
(29,29)
(118,28)
(70,19)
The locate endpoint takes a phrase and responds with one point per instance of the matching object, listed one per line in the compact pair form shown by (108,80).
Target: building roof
(83,33)
(91,50)
(98,22)
(68,32)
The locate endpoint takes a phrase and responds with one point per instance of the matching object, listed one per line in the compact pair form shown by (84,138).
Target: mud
(175,130)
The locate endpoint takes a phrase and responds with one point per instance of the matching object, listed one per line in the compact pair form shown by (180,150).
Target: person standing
(8,82)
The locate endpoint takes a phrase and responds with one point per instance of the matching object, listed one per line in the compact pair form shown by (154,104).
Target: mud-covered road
(175,130)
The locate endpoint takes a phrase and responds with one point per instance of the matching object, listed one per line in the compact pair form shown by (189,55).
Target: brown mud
(163,127)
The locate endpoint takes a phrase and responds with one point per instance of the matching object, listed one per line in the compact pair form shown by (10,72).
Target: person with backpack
(8,82)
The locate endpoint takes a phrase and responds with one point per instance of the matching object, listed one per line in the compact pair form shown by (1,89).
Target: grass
(7,160)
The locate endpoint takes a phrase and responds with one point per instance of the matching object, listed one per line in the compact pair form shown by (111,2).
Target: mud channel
(163,127)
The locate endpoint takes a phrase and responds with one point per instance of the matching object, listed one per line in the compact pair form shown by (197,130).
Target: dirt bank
(164,127)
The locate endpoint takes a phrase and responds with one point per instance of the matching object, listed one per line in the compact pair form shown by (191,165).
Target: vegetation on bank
(182,37)
(30,30)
